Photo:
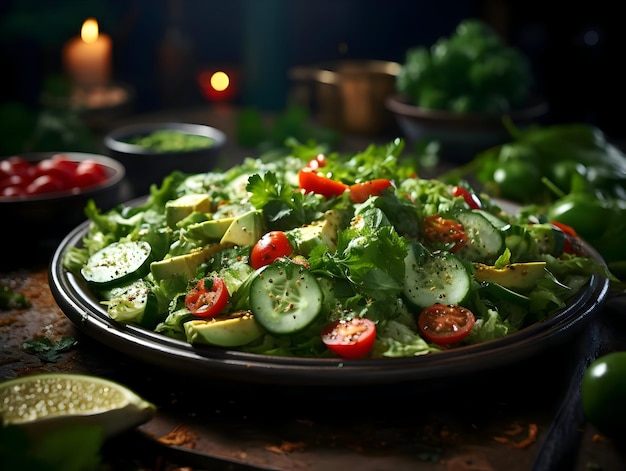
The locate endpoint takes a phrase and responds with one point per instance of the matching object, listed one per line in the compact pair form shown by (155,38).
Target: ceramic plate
(84,310)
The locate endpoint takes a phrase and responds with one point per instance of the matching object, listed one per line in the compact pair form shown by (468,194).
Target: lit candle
(87,58)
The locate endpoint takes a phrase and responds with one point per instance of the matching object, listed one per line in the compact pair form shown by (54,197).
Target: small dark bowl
(461,136)
(146,166)
(33,223)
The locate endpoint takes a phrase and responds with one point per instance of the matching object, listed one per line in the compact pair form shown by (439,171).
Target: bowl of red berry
(43,195)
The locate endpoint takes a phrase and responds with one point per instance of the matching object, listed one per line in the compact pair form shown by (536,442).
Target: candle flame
(89,31)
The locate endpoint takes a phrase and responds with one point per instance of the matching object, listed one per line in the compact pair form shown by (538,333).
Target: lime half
(41,403)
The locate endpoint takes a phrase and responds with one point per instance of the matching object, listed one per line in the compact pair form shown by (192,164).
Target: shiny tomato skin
(350,338)
(445,324)
(439,230)
(603,389)
(470,198)
(10,191)
(45,184)
(311,181)
(318,162)
(45,176)
(268,248)
(63,170)
(88,173)
(15,165)
(206,302)
(565,228)
(16,181)
(360,192)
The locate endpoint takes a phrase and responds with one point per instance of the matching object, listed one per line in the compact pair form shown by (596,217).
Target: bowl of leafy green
(151,151)
(459,91)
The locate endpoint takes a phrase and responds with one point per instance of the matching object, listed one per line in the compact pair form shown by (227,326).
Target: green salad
(316,254)
(172,140)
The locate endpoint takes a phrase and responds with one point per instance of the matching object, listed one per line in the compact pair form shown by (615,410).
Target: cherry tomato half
(89,172)
(445,324)
(311,181)
(360,192)
(470,198)
(15,181)
(350,338)
(445,231)
(45,184)
(318,162)
(208,298)
(12,190)
(56,173)
(59,167)
(15,165)
(270,247)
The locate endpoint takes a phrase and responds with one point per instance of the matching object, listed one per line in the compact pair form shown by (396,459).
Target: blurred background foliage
(573,54)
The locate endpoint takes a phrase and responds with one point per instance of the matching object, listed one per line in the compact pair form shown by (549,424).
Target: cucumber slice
(118,263)
(285,297)
(484,241)
(438,277)
(493,219)
(135,303)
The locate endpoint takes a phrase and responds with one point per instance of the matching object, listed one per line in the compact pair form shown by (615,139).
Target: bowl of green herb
(151,151)
(460,90)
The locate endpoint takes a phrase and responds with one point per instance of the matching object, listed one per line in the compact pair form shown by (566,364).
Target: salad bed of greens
(316,255)
(571,173)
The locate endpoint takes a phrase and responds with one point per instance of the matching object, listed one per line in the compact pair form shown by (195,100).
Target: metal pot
(347,95)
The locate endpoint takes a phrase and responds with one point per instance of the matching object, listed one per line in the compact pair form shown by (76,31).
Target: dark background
(160,45)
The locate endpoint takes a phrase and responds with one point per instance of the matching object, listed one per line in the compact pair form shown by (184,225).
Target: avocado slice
(245,229)
(183,265)
(213,229)
(322,232)
(180,208)
(522,276)
(234,330)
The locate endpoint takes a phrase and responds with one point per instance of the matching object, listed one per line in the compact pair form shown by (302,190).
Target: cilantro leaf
(370,254)
(282,205)
(47,350)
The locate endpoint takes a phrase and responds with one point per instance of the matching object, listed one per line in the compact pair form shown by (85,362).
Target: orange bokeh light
(220,81)
(216,85)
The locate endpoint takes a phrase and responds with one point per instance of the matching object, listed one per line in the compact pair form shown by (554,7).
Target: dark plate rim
(83,310)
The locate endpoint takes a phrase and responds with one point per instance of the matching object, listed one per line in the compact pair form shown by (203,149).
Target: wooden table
(525,416)
(497,421)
